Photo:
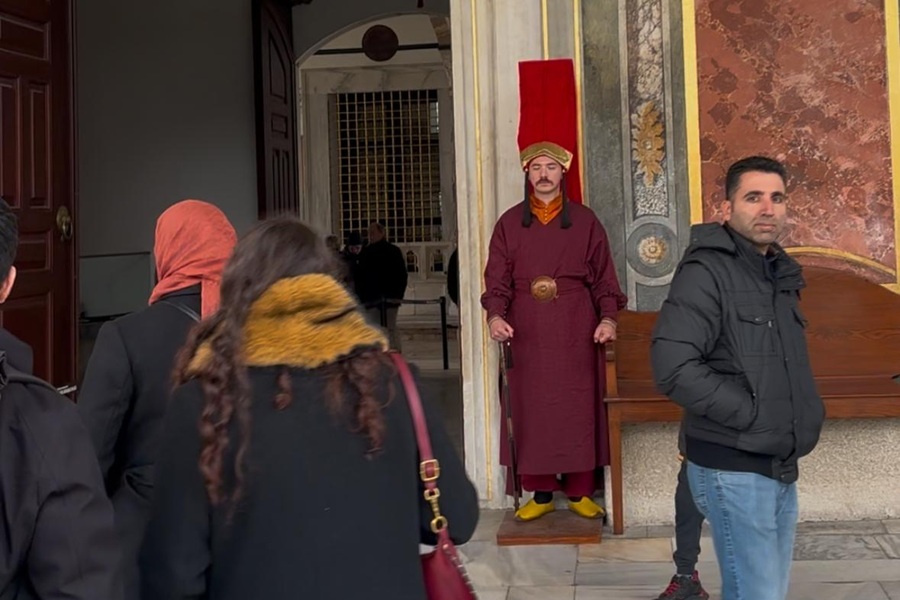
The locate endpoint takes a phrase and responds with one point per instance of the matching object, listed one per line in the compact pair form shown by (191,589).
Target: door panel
(36,178)
(276,133)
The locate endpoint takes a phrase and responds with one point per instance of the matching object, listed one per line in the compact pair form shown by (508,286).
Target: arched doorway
(376,144)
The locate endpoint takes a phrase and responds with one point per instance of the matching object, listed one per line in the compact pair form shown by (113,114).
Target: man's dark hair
(9,238)
(762,164)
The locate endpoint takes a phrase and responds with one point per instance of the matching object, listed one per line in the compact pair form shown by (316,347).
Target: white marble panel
(542,593)
(642,592)
(826,571)
(625,550)
(638,574)
(492,566)
(869,590)
(892,588)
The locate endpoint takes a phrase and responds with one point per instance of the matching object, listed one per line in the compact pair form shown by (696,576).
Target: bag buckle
(429,470)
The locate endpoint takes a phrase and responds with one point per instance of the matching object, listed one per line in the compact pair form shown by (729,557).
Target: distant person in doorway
(127,383)
(333,244)
(56,524)
(352,257)
(453,277)
(384,276)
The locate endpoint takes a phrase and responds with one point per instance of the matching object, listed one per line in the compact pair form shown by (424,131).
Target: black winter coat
(453,277)
(57,539)
(730,347)
(319,519)
(382,273)
(123,399)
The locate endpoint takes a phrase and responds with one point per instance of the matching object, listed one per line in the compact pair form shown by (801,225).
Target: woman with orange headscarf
(126,386)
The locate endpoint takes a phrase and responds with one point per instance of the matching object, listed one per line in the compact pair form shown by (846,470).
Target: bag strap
(187,310)
(429,468)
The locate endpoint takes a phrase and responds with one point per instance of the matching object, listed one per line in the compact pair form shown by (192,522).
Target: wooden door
(36,178)
(276,132)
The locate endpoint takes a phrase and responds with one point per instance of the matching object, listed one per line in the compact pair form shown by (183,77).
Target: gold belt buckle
(543,289)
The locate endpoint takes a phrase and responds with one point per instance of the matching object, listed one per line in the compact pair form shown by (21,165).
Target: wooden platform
(559,527)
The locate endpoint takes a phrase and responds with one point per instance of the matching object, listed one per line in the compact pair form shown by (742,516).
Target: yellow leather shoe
(532,510)
(587,508)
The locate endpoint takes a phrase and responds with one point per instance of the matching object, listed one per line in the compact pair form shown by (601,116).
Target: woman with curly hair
(289,467)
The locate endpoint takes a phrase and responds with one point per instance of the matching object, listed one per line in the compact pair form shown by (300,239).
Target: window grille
(388,164)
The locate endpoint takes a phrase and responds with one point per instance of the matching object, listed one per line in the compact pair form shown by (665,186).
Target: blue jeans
(753,520)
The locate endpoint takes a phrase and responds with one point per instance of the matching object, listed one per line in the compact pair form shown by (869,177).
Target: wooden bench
(854,344)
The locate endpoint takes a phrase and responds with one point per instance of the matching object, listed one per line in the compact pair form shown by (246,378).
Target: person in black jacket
(453,277)
(56,526)
(351,257)
(730,347)
(685,584)
(290,467)
(383,275)
(128,379)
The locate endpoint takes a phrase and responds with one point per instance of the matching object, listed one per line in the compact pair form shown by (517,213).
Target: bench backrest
(853,330)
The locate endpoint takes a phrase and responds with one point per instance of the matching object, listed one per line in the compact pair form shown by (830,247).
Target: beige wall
(854,473)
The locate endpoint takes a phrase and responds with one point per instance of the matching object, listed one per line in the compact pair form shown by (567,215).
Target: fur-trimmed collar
(306,322)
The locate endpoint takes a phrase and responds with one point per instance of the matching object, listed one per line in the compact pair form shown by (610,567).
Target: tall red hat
(548,117)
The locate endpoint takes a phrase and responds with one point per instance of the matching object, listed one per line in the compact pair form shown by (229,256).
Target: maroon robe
(557,378)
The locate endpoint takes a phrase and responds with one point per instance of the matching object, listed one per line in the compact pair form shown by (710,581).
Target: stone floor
(832,561)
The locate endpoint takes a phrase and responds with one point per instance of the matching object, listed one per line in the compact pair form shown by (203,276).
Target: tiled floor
(832,561)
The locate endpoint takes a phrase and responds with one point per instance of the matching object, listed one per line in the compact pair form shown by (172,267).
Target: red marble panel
(803,81)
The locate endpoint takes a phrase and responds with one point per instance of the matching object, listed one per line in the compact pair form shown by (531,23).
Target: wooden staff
(506,363)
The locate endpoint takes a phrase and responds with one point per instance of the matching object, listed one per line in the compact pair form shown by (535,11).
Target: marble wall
(787,79)
(807,86)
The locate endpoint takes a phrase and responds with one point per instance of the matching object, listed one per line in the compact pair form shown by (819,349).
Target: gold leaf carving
(647,143)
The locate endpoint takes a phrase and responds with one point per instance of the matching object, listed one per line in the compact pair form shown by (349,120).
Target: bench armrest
(612,379)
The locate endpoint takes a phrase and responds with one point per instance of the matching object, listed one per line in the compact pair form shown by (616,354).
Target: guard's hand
(500,330)
(605,332)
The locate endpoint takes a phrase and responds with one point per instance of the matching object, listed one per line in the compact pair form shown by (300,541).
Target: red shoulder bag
(445,576)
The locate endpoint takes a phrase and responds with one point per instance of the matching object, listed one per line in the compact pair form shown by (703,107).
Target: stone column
(634,122)
(488,41)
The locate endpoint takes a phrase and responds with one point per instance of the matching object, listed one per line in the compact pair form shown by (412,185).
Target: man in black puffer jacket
(730,348)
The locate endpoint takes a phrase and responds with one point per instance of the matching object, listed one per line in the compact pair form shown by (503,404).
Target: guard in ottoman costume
(552,293)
